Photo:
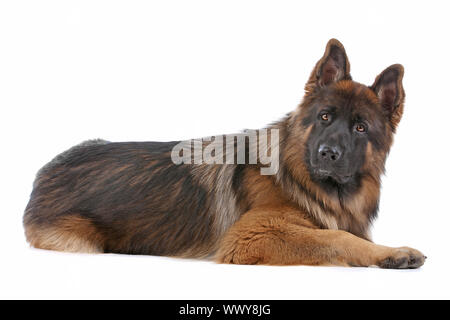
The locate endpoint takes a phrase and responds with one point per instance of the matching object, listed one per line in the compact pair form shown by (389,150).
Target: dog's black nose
(328,153)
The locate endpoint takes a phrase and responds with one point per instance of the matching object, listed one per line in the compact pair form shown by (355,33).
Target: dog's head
(348,126)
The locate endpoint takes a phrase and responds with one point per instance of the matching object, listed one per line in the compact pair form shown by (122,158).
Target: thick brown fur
(131,198)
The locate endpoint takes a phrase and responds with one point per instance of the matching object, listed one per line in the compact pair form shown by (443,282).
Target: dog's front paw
(403,258)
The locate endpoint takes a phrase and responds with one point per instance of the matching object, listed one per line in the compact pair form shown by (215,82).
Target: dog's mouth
(323,174)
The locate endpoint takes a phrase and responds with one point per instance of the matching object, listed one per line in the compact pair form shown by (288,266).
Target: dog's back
(128,198)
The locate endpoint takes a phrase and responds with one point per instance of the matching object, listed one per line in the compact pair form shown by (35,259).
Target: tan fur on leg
(70,234)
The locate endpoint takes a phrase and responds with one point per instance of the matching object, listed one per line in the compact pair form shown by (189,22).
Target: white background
(167,70)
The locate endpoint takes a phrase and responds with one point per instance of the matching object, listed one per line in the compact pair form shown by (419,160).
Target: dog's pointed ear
(332,67)
(389,89)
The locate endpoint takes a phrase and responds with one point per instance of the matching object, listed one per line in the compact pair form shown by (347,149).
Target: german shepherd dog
(316,209)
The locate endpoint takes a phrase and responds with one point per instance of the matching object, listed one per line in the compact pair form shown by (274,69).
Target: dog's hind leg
(70,233)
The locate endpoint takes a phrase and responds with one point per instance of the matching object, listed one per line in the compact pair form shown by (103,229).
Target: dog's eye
(325,116)
(360,128)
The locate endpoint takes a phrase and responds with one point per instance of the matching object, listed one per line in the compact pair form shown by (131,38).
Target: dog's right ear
(332,67)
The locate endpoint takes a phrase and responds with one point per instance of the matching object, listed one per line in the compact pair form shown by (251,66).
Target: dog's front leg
(283,236)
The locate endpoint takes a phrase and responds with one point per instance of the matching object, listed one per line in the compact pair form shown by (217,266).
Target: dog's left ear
(389,89)
(332,67)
